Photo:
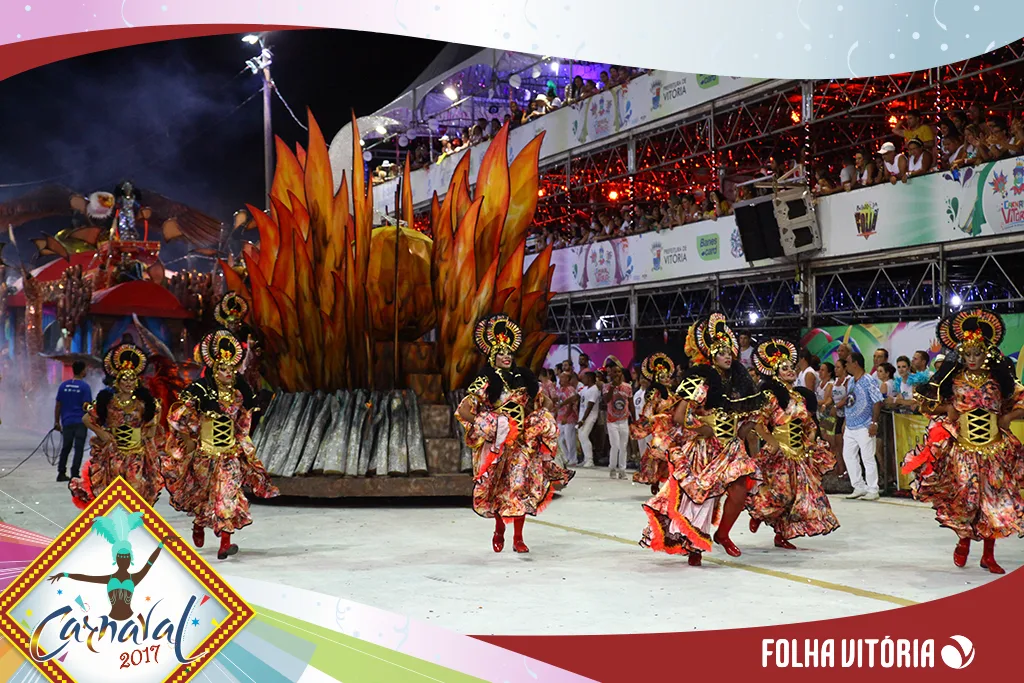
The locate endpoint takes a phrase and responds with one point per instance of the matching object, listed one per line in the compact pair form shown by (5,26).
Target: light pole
(261,65)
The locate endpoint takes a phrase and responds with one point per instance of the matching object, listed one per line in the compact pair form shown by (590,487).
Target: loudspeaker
(759,229)
(797,220)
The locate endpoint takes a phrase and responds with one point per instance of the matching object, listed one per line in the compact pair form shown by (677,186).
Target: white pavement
(585,573)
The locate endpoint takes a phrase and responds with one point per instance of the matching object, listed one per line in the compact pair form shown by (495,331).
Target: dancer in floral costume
(790,498)
(971,467)
(126,420)
(210,457)
(508,442)
(658,369)
(706,450)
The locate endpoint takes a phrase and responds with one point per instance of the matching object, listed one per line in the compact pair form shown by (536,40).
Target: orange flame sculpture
(479,252)
(322,281)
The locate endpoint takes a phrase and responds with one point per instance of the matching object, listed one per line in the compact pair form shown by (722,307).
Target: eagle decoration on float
(321,307)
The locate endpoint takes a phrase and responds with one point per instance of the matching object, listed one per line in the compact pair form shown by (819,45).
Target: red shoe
(963,547)
(755,524)
(780,542)
(498,542)
(694,559)
(227,548)
(730,548)
(519,546)
(988,558)
(517,538)
(198,536)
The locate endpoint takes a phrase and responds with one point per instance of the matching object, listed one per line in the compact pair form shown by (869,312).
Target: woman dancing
(970,467)
(790,498)
(126,420)
(210,457)
(508,443)
(706,449)
(657,369)
(115,527)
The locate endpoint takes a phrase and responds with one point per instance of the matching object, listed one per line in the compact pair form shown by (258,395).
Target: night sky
(166,115)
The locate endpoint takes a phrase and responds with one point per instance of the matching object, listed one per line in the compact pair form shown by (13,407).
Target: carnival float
(368,346)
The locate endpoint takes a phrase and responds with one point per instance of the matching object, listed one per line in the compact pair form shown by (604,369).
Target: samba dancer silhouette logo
(162,617)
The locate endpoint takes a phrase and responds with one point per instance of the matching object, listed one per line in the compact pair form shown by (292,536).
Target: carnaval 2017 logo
(120,590)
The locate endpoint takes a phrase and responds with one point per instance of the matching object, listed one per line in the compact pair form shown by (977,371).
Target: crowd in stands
(957,140)
(454,140)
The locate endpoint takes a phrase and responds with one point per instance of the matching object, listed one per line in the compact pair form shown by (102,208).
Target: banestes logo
(958,657)
(119,596)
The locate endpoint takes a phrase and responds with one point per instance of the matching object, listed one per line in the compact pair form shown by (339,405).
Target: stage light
(893,120)
(382,130)
(362,143)
(451,93)
(251,39)
(613,195)
(540,192)
(752,317)
(794,116)
(955,301)
(554,67)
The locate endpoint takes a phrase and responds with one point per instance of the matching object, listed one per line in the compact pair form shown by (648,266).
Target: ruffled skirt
(141,469)
(976,493)
(790,498)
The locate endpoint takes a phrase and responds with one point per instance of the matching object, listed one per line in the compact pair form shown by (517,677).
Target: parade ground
(585,573)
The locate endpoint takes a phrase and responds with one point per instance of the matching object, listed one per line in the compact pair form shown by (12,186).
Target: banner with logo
(940,207)
(684,251)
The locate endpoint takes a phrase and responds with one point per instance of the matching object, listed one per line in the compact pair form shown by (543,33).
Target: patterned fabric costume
(513,440)
(658,404)
(210,457)
(790,498)
(133,424)
(970,467)
(704,466)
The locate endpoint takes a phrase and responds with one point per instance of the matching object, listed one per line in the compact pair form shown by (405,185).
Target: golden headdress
(497,334)
(710,336)
(125,360)
(658,367)
(218,349)
(973,329)
(773,353)
(231,310)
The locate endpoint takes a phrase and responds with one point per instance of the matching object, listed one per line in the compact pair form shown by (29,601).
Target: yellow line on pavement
(786,576)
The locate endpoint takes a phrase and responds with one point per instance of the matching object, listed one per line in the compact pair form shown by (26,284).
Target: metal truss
(875,292)
(993,279)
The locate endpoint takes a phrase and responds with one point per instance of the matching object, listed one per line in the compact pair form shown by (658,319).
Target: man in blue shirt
(863,405)
(67,419)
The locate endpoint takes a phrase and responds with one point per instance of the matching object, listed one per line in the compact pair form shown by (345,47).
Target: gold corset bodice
(725,424)
(790,436)
(513,410)
(216,433)
(979,428)
(128,438)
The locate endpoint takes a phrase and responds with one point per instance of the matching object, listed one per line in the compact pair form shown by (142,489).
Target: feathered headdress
(658,368)
(231,310)
(772,354)
(973,329)
(497,334)
(710,336)
(125,360)
(114,527)
(218,349)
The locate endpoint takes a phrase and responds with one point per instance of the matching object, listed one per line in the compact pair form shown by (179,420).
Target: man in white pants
(617,398)
(639,401)
(863,405)
(590,396)
(567,411)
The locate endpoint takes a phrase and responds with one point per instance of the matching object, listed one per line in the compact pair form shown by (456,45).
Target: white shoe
(622,474)
(857,494)
(587,464)
(612,473)
(873,495)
